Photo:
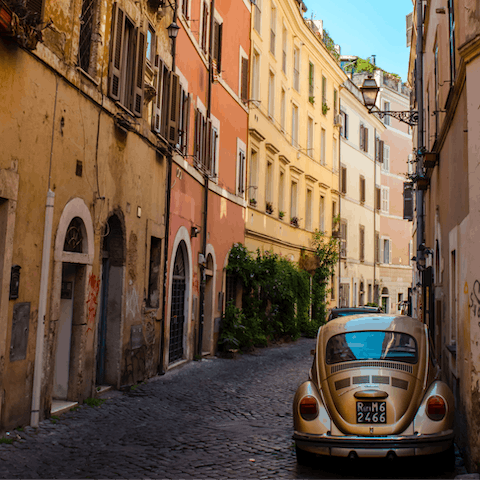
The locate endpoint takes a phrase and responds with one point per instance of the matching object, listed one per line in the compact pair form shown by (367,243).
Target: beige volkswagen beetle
(373,391)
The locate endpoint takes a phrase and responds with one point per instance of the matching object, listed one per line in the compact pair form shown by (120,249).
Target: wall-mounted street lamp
(172,30)
(370,91)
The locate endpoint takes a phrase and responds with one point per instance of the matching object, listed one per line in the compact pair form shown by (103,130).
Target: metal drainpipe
(339,208)
(206,187)
(420,134)
(168,176)
(375,213)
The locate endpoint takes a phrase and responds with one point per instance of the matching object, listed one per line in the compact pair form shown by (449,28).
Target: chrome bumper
(401,446)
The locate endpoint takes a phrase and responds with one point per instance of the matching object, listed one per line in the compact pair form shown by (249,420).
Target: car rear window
(372,345)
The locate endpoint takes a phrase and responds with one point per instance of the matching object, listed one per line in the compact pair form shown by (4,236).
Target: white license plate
(371,412)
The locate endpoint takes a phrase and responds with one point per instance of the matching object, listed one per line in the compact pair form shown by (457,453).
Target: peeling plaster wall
(42,92)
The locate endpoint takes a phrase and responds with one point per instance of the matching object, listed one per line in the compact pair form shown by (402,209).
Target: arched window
(74,236)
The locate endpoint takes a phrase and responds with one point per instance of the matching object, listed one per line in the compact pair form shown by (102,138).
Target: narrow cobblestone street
(217,418)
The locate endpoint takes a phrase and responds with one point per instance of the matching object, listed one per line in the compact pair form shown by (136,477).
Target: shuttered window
(343,179)
(217,45)
(87,25)
(377,247)
(241,174)
(127,62)
(408,201)
(203,41)
(343,239)
(386,158)
(35,6)
(362,189)
(378,198)
(205,144)
(362,243)
(244,80)
(363,138)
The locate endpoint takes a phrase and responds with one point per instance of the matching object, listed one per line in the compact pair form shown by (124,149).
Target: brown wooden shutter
(139,74)
(204,27)
(377,247)
(362,189)
(157,104)
(365,139)
(407,201)
(219,47)
(116,52)
(174,108)
(378,198)
(186,122)
(381,148)
(164,122)
(344,180)
(215,42)
(244,86)
(208,145)
(196,142)
(35,7)
(361,137)
(362,243)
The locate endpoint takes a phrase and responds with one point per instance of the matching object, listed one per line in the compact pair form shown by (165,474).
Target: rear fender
(321,423)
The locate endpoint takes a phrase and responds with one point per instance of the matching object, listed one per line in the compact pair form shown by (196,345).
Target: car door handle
(371,394)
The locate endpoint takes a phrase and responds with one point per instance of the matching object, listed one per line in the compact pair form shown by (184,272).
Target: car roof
(376,321)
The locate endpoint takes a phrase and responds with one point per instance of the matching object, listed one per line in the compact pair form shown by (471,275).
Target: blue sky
(367,27)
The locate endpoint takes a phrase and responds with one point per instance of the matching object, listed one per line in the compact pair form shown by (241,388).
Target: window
(324,90)
(206,144)
(344,128)
(386,107)
(386,158)
(343,179)
(153,299)
(87,28)
(184,121)
(127,65)
(385,300)
(271,94)
(334,214)
(284,50)
(253,175)
(332,287)
(281,192)
(283,106)
(385,199)
(362,189)
(204,32)
(335,155)
(294,125)
(269,183)
(322,213)
(363,138)
(362,243)
(185,8)
(257,21)
(335,102)
(244,79)
(273,28)
(311,82)
(310,136)
(386,250)
(308,210)
(151,44)
(293,200)
(343,239)
(217,46)
(451,35)
(296,69)
(323,152)
(241,173)
(378,198)
(377,247)
(256,76)
(379,149)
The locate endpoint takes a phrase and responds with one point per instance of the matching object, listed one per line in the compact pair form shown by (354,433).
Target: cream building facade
(359,179)
(292,168)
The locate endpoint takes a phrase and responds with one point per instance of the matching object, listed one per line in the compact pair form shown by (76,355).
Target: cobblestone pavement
(218,418)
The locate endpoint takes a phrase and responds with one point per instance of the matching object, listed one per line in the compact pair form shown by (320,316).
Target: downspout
(375,299)
(339,207)
(206,179)
(42,301)
(420,134)
(168,194)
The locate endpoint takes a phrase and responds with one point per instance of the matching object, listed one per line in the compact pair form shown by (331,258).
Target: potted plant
(269,208)
(281,214)
(311,99)
(325,108)
(253,202)
(294,221)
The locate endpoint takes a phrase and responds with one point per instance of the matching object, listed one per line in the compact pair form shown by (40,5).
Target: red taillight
(308,407)
(436,407)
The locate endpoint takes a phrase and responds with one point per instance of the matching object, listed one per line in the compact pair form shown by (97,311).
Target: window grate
(86,31)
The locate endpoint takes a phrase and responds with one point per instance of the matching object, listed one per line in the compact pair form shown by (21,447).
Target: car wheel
(303,457)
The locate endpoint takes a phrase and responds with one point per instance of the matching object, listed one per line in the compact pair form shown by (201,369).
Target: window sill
(86,75)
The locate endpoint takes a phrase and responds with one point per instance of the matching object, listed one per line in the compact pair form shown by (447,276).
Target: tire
(303,457)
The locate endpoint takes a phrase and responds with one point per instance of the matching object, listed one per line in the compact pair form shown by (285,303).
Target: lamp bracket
(409,117)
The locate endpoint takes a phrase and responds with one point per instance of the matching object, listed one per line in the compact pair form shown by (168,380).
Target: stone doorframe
(74,208)
(182,234)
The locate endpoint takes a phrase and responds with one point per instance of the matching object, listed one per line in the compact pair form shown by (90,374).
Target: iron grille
(177,319)
(86,30)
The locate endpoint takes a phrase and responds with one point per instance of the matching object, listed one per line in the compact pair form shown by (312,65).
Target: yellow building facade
(292,170)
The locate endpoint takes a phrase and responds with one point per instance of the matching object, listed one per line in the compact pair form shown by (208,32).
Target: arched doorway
(71,314)
(207,339)
(110,322)
(385,300)
(178,305)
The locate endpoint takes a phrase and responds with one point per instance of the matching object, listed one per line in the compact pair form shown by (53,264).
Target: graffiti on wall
(92,300)
(132,303)
(474,303)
